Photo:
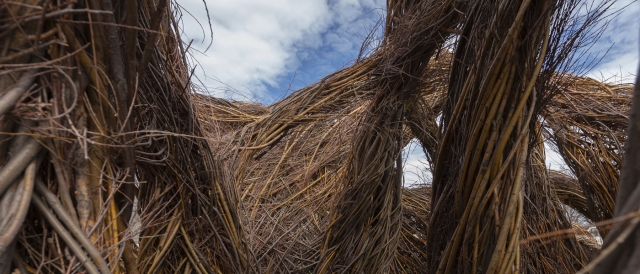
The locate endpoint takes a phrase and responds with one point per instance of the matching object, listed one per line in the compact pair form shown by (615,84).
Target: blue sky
(261,50)
(622,43)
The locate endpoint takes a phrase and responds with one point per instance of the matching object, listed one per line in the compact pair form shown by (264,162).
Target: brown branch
(66,237)
(9,234)
(10,97)
(76,231)
(18,163)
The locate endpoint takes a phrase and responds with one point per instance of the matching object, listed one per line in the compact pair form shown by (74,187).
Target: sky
(262,50)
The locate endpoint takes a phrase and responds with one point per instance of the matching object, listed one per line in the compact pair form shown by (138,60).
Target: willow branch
(76,231)
(18,163)
(8,235)
(11,96)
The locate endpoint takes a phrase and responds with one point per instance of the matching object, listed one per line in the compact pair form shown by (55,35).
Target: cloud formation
(259,46)
(252,40)
(620,42)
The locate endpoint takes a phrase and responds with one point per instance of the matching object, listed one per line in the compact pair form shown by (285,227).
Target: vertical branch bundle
(97,114)
(543,214)
(365,221)
(477,190)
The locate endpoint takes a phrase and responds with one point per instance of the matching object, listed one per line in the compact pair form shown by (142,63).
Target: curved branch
(26,190)
(64,234)
(10,97)
(76,231)
(18,163)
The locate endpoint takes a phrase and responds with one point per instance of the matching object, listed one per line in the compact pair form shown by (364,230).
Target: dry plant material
(365,221)
(97,95)
(109,163)
(621,252)
(587,123)
(477,198)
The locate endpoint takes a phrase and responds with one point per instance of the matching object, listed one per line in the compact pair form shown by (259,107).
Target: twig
(76,231)
(8,236)
(18,163)
(27,51)
(55,14)
(64,234)
(9,99)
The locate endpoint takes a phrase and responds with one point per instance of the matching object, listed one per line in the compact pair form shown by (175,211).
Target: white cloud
(621,39)
(415,165)
(255,42)
(260,45)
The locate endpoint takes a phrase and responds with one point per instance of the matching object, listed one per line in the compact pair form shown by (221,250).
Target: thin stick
(9,234)
(18,163)
(10,97)
(64,234)
(76,231)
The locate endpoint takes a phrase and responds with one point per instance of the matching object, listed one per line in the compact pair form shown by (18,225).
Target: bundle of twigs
(479,175)
(587,122)
(621,251)
(365,217)
(101,144)
(129,172)
(289,186)
(543,214)
(410,256)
